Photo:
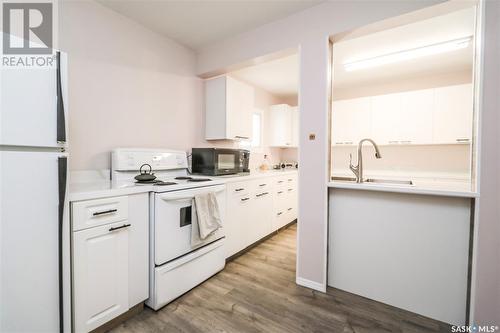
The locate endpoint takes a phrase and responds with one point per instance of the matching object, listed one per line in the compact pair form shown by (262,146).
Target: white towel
(206,220)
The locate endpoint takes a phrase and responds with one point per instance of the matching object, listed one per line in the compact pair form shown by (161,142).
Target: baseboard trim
(310,284)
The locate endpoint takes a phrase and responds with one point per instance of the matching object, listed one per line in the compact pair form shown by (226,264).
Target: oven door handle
(189,195)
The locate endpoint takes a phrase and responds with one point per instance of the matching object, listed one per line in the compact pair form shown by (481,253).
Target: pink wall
(310,30)
(131,87)
(128,86)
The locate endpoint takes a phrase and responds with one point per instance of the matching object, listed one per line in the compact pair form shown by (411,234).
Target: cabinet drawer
(262,185)
(92,213)
(280,181)
(241,188)
(291,180)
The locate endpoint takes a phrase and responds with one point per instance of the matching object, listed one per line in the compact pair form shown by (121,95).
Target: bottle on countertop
(265,165)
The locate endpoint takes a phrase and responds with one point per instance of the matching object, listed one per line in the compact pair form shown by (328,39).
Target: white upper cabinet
(386,118)
(431,116)
(228,109)
(351,121)
(415,118)
(453,114)
(280,125)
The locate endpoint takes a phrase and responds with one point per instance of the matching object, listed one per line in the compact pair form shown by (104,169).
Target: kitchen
(163,101)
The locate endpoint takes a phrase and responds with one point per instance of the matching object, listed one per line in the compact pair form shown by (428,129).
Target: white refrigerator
(34,235)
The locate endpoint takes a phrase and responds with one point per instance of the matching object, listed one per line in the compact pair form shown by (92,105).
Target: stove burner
(183,178)
(199,180)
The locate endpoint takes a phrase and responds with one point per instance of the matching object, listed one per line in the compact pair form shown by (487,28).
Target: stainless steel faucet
(358,169)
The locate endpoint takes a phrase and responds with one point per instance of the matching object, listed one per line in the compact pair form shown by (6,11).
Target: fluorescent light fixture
(419,52)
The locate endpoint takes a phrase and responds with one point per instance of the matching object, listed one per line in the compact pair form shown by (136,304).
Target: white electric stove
(175,265)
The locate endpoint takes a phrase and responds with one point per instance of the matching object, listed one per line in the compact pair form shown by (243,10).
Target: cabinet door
(280,207)
(240,105)
(237,219)
(453,114)
(351,121)
(386,118)
(295,126)
(100,268)
(138,260)
(416,117)
(280,126)
(260,224)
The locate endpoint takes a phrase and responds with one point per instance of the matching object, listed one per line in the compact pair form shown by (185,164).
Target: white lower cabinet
(110,261)
(100,275)
(253,207)
(238,212)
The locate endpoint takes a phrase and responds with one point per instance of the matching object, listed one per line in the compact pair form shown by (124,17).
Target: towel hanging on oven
(206,221)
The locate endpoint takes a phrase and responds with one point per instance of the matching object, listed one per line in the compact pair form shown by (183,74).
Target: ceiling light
(390,58)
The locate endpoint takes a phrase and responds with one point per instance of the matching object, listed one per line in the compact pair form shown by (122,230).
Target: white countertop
(107,188)
(426,187)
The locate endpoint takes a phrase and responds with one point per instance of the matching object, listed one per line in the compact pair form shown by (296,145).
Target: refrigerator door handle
(61,117)
(62,179)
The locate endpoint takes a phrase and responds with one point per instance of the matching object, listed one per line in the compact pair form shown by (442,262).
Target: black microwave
(219,161)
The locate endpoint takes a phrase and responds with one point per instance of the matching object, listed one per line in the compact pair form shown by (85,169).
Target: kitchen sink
(376,181)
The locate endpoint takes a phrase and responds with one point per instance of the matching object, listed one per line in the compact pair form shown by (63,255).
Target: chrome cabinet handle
(280,213)
(393,142)
(290,179)
(241,137)
(279,192)
(120,227)
(462,140)
(262,194)
(348,142)
(290,189)
(239,189)
(110,211)
(280,181)
(245,199)
(289,209)
(262,185)
(406,141)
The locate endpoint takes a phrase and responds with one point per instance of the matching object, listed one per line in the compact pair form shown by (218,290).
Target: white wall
(310,30)
(486,304)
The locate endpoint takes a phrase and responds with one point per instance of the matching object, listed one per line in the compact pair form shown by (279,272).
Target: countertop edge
(107,193)
(99,193)
(403,189)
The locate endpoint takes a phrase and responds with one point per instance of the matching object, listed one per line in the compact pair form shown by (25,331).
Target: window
(256,130)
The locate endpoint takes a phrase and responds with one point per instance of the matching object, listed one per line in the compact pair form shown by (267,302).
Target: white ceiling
(197,23)
(279,77)
(422,33)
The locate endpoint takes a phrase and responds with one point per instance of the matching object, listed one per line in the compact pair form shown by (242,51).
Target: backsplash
(436,161)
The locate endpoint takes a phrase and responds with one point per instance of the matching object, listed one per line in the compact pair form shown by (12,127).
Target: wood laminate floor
(256,292)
